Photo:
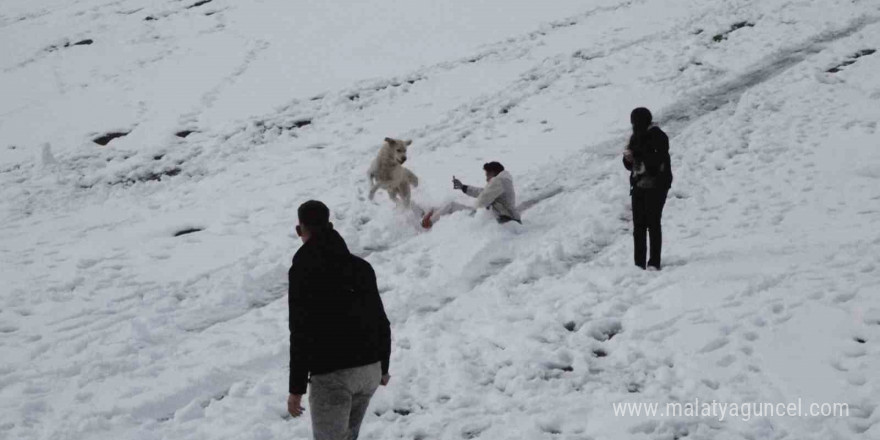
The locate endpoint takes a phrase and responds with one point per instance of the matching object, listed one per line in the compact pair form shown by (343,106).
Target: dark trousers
(647,209)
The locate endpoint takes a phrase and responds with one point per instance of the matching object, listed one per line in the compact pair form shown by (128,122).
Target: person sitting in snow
(498,196)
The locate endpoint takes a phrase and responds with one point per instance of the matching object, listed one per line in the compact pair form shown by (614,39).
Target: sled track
(679,116)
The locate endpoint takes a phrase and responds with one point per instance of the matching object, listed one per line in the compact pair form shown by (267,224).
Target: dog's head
(396,149)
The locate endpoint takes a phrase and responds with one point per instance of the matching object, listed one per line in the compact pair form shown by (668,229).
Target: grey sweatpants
(449,208)
(339,401)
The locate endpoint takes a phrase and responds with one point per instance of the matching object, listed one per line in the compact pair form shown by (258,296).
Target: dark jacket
(337,319)
(651,166)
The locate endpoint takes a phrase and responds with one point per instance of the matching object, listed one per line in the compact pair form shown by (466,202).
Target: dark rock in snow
(107,137)
(851,60)
(301,123)
(187,231)
(735,27)
(198,3)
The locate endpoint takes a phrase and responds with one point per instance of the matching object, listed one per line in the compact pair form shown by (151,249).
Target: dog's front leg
(413,179)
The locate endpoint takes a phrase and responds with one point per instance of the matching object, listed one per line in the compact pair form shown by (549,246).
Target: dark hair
(641,121)
(313,215)
(493,167)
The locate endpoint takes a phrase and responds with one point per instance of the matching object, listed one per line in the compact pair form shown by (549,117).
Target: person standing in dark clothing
(340,337)
(647,159)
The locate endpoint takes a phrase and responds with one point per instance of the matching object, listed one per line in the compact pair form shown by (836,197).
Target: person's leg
(366,381)
(433,215)
(330,401)
(655,214)
(449,208)
(640,228)
(640,243)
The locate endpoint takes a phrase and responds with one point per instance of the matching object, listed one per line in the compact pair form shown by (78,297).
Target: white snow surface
(112,327)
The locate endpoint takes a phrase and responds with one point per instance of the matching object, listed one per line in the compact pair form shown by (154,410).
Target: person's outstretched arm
(473,191)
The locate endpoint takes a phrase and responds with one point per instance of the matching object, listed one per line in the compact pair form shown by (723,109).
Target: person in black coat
(340,336)
(647,159)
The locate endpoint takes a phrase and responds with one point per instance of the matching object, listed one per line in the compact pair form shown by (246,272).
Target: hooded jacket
(498,195)
(337,319)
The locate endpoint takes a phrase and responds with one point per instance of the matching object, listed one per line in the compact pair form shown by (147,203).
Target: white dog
(387,171)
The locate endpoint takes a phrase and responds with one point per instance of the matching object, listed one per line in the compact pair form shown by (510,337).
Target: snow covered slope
(153,154)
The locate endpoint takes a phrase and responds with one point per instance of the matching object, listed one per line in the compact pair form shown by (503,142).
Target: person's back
(344,312)
(503,200)
(340,335)
(651,166)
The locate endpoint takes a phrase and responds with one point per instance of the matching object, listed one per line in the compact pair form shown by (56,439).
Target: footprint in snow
(714,345)
(783,318)
(860,417)
(605,330)
(711,384)
(633,387)
(472,431)
(856,379)
(837,365)
(855,352)
(844,297)
(726,361)
(8,329)
(551,426)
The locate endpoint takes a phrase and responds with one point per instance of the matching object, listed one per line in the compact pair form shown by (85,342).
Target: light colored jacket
(497,195)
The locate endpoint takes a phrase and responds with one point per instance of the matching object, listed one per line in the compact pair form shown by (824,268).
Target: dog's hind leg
(405,194)
(392,194)
(373,188)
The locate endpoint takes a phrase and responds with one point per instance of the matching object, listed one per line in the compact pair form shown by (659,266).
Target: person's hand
(294,405)
(385,379)
(456,184)
(628,155)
